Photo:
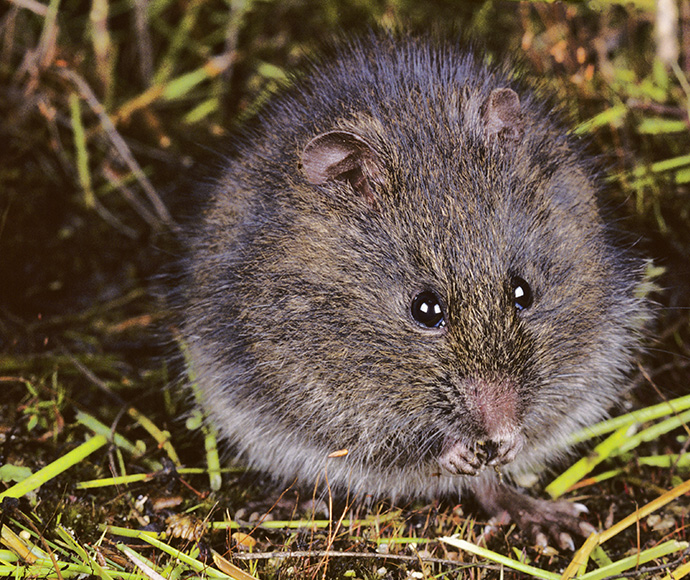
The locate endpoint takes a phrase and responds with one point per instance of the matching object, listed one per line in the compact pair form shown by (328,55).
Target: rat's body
(406,260)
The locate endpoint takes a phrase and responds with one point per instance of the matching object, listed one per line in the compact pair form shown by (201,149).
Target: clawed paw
(552,523)
(470,458)
(545,523)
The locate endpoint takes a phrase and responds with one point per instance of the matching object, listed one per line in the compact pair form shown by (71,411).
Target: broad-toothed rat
(407,259)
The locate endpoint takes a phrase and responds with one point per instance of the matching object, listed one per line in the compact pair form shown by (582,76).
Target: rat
(407,260)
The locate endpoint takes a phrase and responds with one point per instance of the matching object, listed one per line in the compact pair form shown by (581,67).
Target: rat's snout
(495,438)
(494,407)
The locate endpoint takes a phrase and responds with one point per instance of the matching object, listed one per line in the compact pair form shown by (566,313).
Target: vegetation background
(111,113)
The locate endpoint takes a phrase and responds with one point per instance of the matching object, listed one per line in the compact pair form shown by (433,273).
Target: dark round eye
(521,293)
(426,309)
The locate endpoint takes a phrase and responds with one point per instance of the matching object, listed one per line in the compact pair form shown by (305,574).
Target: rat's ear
(502,115)
(342,156)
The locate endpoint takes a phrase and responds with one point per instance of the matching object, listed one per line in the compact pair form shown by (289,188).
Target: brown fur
(400,167)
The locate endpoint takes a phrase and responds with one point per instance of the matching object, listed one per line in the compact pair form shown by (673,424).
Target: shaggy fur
(398,167)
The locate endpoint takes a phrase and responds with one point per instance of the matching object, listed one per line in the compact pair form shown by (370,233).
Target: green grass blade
(581,468)
(635,560)
(641,416)
(56,468)
(500,559)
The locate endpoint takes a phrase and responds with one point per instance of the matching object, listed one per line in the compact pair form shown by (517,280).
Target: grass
(74,558)
(110,111)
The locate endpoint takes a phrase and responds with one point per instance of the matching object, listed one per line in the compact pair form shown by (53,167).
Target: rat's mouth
(463,457)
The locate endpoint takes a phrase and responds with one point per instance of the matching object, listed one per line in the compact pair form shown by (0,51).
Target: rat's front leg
(540,520)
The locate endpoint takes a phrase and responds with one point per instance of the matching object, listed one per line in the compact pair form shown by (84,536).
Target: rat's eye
(426,309)
(521,293)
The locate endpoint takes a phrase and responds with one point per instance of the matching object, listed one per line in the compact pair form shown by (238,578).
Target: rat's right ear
(342,156)
(502,115)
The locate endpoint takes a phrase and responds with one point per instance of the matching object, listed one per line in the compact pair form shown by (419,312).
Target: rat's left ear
(502,115)
(342,156)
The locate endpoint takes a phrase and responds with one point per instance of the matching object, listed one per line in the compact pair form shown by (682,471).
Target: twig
(340,554)
(144,45)
(32,5)
(120,145)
